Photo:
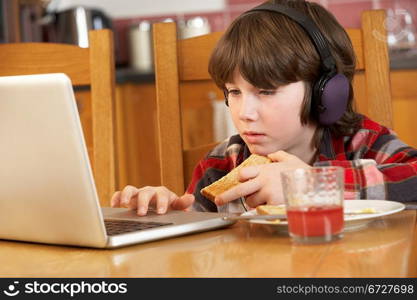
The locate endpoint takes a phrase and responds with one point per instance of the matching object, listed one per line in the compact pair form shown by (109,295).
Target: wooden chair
(181,61)
(94,67)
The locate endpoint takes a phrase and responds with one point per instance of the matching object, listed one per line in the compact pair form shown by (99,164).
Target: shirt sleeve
(202,176)
(386,169)
(217,163)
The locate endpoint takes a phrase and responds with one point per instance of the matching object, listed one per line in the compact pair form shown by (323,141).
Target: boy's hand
(159,197)
(262,184)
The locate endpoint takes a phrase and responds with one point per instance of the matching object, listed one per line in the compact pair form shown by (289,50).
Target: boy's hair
(269,50)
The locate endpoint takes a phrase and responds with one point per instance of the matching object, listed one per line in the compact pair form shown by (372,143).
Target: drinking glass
(314,202)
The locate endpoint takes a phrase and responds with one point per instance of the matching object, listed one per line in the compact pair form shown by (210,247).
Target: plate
(352,222)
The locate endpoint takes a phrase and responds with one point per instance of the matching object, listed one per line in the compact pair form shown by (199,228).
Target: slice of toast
(271,210)
(231,179)
(268,209)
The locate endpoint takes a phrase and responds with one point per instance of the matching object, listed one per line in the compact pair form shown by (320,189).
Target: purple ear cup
(334,98)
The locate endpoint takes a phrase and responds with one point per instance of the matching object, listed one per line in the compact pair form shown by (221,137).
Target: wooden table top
(385,247)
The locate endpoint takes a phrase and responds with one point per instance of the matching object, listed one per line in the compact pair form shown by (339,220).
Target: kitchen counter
(124,75)
(403,59)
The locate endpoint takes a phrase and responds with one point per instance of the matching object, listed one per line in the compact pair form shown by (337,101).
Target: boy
(286,69)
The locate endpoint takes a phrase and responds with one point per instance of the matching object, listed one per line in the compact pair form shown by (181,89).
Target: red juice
(315,220)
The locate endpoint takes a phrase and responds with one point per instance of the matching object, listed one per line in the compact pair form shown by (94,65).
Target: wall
(133,8)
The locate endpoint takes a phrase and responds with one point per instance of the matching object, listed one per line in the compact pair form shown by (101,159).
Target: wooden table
(384,248)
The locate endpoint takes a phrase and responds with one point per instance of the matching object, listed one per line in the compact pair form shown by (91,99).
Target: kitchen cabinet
(137,149)
(404,101)
(83,99)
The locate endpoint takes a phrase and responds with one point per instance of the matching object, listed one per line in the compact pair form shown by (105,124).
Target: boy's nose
(248,109)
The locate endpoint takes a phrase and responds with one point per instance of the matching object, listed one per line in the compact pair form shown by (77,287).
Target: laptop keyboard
(115,227)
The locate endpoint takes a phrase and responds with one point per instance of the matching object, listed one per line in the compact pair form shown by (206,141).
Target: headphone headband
(319,41)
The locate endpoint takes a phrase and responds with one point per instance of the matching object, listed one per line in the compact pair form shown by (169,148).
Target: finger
(247,173)
(240,190)
(275,201)
(127,194)
(280,156)
(115,199)
(254,200)
(183,202)
(264,197)
(163,199)
(133,203)
(144,198)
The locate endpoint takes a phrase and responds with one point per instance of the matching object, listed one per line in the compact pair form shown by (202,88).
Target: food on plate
(231,179)
(368,210)
(270,210)
(363,211)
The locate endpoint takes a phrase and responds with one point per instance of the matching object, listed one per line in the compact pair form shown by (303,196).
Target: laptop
(47,190)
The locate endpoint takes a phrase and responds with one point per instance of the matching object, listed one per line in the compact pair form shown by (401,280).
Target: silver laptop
(47,190)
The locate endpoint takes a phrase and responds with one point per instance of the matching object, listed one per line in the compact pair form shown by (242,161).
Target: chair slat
(40,58)
(376,64)
(192,52)
(102,101)
(168,107)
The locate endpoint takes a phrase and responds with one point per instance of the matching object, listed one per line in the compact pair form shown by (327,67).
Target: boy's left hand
(262,184)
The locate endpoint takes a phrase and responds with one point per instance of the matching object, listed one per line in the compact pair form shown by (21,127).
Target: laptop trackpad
(174,216)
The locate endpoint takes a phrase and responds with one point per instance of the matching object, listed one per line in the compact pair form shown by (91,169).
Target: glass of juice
(314,202)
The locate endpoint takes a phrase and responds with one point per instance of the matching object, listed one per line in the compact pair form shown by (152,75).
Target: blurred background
(68,20)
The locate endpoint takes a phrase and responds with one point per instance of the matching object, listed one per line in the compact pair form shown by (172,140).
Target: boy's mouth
(253,137)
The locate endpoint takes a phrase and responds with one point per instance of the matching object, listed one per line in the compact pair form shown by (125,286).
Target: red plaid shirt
(377,165)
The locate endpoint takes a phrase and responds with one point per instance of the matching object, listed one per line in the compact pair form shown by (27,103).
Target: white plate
(382,208)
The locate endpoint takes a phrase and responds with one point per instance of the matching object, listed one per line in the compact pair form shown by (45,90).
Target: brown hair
(269,49)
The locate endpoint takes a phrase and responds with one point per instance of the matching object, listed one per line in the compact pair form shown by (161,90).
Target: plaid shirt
(377,166)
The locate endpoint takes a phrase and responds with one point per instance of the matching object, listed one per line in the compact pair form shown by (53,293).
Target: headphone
(331,90)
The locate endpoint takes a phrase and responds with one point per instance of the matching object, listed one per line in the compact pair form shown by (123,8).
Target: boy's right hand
(158,196)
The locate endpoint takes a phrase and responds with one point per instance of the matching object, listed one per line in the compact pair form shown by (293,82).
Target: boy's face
(269,120)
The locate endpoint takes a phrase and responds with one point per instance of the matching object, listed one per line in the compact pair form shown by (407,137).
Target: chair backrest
(372,78)
(94,67)
(180,61)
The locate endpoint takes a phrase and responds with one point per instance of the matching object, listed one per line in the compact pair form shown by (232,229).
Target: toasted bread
(271,210)
(231,179)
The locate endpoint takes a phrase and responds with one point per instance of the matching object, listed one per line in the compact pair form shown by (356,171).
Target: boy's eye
(233,92)
(267,92)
